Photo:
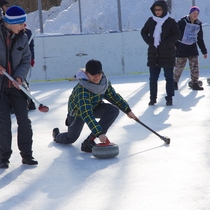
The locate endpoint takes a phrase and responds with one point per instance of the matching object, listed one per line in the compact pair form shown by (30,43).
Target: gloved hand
(32,62)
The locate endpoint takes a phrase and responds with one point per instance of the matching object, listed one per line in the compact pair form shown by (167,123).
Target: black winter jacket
(164,55)
(184,50)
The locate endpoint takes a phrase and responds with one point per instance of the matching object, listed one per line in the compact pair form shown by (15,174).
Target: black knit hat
(94,67)
(3,2)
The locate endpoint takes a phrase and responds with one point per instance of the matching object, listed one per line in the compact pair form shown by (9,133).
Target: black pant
(154,75)
(107,114)
(18,100)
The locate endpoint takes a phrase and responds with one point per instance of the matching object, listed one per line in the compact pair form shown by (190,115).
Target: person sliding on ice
(15,58)
(192,34)
(86,104)
(161,32)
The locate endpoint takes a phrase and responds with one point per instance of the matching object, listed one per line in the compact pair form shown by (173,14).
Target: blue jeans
(154,75)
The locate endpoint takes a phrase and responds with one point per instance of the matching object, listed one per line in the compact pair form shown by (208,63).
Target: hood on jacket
(187,18)
(163,5)
(94,88)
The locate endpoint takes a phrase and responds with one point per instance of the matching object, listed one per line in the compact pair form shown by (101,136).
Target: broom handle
(21,87)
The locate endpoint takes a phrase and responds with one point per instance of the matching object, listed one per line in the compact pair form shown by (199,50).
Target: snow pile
(101,16)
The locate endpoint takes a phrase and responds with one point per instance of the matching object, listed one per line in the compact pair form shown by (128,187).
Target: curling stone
(208,80)
(200,83)
(105,150)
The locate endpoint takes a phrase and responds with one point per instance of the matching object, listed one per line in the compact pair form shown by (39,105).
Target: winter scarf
(158,28)
(94,88)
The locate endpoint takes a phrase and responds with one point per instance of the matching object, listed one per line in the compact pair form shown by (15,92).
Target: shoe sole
(24,162)
(4,167)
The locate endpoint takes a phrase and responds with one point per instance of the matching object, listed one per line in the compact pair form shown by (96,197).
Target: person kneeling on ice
(86,104)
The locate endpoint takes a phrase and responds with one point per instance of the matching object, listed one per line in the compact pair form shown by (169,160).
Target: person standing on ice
(192,34)
(5,6)
(15,58)
(86,104)
(160,33)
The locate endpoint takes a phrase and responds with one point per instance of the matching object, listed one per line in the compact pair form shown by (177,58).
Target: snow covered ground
(146,175)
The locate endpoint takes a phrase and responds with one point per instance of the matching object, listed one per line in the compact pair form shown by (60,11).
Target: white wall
(58,57)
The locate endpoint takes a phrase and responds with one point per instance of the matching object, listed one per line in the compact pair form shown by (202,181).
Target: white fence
(60,57)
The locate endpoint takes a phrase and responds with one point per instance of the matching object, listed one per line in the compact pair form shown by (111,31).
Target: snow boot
(152,102)
(196,86)
(88,144)
(55,132)
(175,85)
(29,160)
(4,163)
(169,101)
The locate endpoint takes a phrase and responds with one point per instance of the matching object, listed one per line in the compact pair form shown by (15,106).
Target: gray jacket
(20,56)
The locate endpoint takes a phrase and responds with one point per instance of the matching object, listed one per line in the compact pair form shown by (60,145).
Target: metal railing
(105,16)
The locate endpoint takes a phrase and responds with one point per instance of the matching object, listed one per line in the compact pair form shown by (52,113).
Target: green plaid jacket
(82,103)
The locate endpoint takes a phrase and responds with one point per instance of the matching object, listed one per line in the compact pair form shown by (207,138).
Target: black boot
(55,132)
(4,163)
(88,144)
(169,101)
(152,102)
(29,160)
(196,86)
(175,85)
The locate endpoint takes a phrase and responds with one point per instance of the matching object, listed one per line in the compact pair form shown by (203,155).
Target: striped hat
(194,8)
(15,15)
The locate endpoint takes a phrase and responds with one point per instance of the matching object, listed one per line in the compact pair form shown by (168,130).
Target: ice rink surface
(146,175)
